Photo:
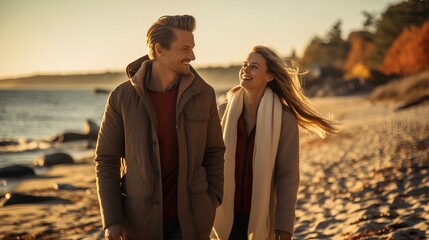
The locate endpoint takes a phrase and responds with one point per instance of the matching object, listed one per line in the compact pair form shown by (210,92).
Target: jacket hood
(137,74)
(134,66)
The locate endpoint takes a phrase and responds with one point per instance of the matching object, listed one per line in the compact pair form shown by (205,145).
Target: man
(159,156)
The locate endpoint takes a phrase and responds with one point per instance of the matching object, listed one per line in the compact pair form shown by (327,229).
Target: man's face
(180,54)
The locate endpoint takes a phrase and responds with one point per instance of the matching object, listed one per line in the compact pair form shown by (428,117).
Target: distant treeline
(221,78)
(77,81)
(394,43)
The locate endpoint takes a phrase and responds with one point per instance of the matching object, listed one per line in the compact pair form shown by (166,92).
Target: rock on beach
(48,160)
(16,171)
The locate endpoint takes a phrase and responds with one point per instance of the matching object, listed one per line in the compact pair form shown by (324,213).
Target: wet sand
(371,181)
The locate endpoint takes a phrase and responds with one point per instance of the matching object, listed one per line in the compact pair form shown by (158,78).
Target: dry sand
(79,219)
(370,181)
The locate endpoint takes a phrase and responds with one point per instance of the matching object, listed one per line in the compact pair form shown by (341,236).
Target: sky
(91,36)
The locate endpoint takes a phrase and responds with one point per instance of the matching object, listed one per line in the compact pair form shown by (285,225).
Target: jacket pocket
(137,223)
(203,213)
(199,181)
(196,123)
(133,185)
(203,208)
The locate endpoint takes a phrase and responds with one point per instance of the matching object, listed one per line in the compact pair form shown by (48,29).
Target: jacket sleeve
(287,173)
(108,154)
(214,154)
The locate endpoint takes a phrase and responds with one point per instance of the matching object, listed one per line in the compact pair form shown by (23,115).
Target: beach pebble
(325,224)
(64,186)
(410,233)
(419,191)
(399,202)
(399,225)
(53,159)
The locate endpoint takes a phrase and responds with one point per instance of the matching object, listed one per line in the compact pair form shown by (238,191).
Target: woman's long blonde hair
(287,86)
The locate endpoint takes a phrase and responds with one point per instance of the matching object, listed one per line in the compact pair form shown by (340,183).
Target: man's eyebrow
(188,46)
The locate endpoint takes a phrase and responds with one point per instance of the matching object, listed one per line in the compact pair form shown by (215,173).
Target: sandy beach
(371,181)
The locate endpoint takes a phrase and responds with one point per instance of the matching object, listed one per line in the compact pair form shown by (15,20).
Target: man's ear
(158,49)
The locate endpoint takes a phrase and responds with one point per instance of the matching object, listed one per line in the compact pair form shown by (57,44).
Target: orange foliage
(409,53)
(361,48)
(359,70)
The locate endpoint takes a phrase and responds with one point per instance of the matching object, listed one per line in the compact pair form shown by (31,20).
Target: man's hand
(113,232)
(282,235)
(217,203)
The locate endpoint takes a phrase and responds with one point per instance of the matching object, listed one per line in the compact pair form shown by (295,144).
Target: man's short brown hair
(162,31)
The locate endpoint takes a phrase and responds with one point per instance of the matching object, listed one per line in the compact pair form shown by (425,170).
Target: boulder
(53,159)
(69,137)
(90,132)
(19,198)
(16,171)
(66,186)
(11,142)
(90,128)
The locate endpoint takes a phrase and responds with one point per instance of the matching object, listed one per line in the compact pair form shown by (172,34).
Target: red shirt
(165,107)
(243,168)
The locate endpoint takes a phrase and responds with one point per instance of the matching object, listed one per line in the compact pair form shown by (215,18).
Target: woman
(260,129)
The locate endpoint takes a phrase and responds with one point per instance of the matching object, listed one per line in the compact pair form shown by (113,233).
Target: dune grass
(403,89)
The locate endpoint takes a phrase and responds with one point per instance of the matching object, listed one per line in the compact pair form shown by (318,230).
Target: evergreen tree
(369,21)
(330,52)
(313,54)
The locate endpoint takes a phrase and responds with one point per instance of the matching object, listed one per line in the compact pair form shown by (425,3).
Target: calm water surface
(30,114)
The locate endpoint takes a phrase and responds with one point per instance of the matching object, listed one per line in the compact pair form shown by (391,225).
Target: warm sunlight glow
(47,36)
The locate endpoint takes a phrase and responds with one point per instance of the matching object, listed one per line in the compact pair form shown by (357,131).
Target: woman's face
(253,73)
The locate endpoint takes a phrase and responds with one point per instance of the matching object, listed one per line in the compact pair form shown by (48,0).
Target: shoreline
(12,184)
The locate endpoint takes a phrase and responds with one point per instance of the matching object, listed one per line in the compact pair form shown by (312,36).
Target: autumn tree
(393,22)
(361,47)
(409,53)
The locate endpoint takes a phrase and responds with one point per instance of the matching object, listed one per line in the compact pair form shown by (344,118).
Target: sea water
(28,116)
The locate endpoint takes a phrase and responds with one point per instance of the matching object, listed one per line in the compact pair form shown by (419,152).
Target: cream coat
(285,177)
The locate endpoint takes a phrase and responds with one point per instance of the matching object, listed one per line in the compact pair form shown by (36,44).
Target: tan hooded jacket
(127,157)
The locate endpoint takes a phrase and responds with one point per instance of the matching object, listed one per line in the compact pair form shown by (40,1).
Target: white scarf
(267,137)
